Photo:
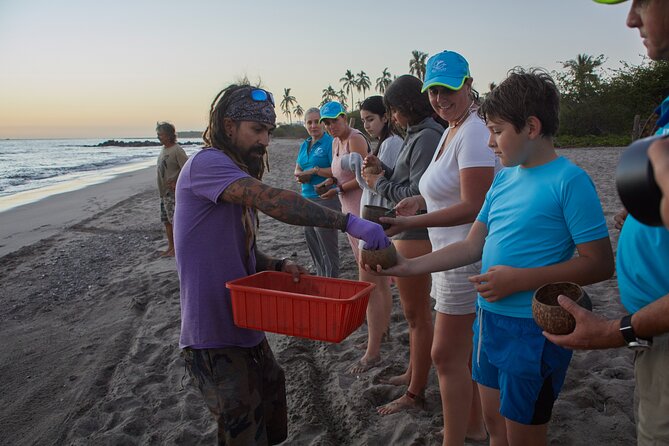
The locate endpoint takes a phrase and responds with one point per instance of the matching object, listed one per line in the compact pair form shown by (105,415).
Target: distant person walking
(170,161)
(313,167)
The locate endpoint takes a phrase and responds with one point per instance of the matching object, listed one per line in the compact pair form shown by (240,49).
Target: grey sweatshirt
(416,154)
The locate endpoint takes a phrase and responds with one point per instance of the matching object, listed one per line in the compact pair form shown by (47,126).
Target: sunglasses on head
(260,95)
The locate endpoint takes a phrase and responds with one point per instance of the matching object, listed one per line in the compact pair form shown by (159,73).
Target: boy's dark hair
(374,104)
(524,94)
(404,95)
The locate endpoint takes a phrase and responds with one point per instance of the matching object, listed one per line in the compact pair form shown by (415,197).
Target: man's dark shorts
(245,390)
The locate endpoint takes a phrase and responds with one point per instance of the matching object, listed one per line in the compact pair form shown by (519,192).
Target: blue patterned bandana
(250,104)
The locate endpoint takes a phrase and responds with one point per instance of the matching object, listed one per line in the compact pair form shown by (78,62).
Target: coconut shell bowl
(386,257)
(547,312)
(373,213)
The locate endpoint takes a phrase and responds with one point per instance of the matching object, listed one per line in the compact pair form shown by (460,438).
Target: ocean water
(32,169)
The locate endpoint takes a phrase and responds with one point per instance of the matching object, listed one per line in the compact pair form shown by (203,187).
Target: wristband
(633,341)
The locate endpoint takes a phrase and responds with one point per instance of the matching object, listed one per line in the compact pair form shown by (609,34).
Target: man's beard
(255,161)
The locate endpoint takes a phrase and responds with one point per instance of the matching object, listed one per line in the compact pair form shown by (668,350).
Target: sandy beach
(90,325)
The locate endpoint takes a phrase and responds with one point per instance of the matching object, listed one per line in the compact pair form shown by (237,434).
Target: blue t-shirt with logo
(312,154)
(643,252)
(535,217)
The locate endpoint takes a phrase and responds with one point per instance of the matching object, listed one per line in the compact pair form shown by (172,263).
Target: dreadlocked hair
(215,137)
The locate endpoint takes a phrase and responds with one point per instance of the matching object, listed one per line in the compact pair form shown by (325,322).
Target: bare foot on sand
(167,253)
(363,364)
(405,402)
(400,380)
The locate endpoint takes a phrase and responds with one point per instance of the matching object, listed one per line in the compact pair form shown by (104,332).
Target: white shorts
(453,291)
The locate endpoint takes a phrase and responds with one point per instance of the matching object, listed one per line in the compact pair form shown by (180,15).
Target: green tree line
(598,106)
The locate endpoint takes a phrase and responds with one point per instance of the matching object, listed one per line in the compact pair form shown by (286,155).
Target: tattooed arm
(284,205)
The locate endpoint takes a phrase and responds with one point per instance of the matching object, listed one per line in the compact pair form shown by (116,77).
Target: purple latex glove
(372,233)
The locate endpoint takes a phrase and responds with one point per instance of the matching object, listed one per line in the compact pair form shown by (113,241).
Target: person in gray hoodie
(410,110)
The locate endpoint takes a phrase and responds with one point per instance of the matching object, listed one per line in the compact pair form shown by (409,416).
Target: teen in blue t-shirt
(536,212)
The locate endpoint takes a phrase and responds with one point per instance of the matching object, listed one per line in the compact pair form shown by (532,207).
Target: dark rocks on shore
(147,143)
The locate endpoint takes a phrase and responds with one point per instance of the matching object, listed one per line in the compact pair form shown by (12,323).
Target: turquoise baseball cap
(331,110)
(447,69)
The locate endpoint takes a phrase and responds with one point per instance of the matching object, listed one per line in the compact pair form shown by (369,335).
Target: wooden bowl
(547,312)
(372,213)
(386,257)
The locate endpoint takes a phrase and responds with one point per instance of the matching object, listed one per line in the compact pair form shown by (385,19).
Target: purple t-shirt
(210,245)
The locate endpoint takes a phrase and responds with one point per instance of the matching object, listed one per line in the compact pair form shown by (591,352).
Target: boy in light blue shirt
(537,211)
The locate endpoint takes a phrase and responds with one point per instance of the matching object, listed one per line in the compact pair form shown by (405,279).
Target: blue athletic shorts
(510,354)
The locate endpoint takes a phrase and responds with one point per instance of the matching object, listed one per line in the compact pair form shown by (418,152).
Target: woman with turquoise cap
(452,191)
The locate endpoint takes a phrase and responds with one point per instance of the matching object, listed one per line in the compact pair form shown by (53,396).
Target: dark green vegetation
(599,109)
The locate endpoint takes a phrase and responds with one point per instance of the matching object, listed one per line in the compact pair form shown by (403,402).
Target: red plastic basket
(316,307)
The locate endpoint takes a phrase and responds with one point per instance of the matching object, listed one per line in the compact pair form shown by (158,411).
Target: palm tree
(329,94)
(417,64)
(298,111)
(363,83)
(287,102)
(383,81)
(582,74)
(349,83)
(341,97)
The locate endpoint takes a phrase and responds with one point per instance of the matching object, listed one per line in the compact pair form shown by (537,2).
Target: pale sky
(86,68)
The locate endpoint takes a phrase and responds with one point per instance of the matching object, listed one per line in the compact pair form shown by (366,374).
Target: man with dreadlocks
(218,193)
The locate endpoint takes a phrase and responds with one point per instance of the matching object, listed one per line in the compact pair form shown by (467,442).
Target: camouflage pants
(167,204)
(245,390)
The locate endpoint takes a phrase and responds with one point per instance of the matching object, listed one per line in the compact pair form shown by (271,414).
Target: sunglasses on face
(330,121)
(260,95)
(434,91)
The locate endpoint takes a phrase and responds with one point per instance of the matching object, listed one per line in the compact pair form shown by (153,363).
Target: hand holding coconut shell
(374,263)
(372,169)
(549,315)
(591,331)
(384,258)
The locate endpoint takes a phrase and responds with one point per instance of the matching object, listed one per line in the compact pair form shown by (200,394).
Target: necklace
(463,116)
